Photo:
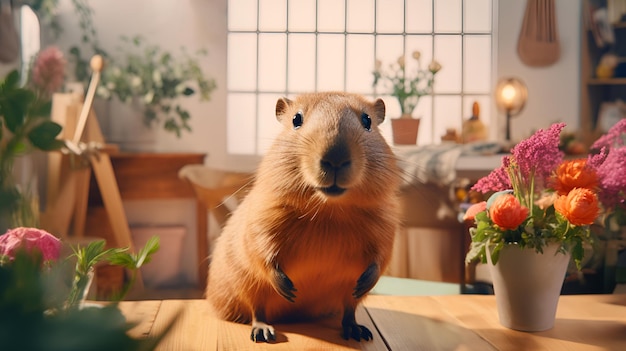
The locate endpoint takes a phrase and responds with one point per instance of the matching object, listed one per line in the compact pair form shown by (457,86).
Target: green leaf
(11,81)
(578,252)
(41,109)
(125,260)
(495,252)
(145,254)
(43,136)
(14,108)
(93,253)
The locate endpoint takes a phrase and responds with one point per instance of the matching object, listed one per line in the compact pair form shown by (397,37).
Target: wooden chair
(220,191)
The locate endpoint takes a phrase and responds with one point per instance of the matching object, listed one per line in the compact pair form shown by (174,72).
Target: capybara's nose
(336,158)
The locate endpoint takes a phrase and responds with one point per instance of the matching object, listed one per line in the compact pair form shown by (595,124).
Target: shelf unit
(595,91)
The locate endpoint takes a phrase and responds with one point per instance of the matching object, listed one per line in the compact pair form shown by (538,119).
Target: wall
(554,91)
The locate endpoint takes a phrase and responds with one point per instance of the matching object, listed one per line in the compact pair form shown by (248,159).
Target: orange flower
(471,212)
(507,212)
(580,206)
(574,174)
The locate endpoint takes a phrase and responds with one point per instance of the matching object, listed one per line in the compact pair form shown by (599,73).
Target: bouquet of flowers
(409,87)
(539,198)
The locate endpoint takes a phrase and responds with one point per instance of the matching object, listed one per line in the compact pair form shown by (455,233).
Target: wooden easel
(69,176)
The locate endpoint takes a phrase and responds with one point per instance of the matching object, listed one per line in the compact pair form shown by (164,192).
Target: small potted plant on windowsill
(408,87)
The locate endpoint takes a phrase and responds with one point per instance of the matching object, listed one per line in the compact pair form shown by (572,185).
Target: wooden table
(452,322)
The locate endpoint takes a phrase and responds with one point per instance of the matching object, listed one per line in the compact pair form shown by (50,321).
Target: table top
(451,322)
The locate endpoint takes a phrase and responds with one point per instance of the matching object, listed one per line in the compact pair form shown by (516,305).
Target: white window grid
(263,76)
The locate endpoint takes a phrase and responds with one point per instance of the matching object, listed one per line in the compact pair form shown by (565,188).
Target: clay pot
(404,130)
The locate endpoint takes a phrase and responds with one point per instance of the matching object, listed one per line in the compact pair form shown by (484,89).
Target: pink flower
(30,238)
(616,136)
(539,155)
(612,178)
(476,208)
(497,180)
(610,166)
(532,161)
(49,70)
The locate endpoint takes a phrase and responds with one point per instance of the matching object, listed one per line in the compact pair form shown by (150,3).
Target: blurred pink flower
(615,137)
(49,70)
(29,239)
(471,212)
(610,165)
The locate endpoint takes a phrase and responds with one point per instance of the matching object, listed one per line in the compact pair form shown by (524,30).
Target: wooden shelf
(619,25)
(607,81)
(594,92)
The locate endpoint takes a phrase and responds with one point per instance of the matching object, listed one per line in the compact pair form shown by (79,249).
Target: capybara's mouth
(333,190)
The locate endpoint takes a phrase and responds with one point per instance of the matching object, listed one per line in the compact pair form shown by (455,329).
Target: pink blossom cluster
(497,180)
(30,239)
(534,159)
(612,174)
(610,165)
(615,137)
(539,154)
(49,70)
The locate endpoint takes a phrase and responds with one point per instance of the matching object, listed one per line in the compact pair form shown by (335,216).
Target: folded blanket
(430,163)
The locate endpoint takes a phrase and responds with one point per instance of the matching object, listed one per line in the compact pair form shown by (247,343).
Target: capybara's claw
(357,332)
(262,332)
(284,285)
(366,281)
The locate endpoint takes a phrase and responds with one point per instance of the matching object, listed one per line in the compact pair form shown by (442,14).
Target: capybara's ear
(379,108)
(281,107)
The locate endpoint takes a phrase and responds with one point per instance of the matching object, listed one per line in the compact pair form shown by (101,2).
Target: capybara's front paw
(284,285)
(356,332)
(366,281)
(262,332)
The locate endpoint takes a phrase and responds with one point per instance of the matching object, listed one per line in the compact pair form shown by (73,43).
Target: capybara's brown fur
(316,230)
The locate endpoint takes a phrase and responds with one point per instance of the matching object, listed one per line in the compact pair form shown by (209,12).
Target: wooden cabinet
(594,90)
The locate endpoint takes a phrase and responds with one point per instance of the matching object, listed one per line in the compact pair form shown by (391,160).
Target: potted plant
(41,305)
(25,126)
(408,87)
(155,79)
(538,216)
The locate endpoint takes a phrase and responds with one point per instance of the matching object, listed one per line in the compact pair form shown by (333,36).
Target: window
(282,48)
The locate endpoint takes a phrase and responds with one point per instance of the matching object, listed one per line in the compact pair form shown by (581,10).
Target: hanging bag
(9,39)
(538,43)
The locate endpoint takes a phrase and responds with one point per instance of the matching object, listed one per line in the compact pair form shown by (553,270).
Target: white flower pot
(123,124)
(527,286)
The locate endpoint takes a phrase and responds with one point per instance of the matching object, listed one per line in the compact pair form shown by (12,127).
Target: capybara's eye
(297,120)
(366,121)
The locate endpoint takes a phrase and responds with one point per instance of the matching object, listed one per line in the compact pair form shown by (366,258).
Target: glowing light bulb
(508,95)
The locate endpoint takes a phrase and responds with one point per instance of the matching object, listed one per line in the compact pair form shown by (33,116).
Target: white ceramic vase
(527,286)
(124,125)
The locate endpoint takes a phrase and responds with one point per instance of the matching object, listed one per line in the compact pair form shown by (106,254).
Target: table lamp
(511,95)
